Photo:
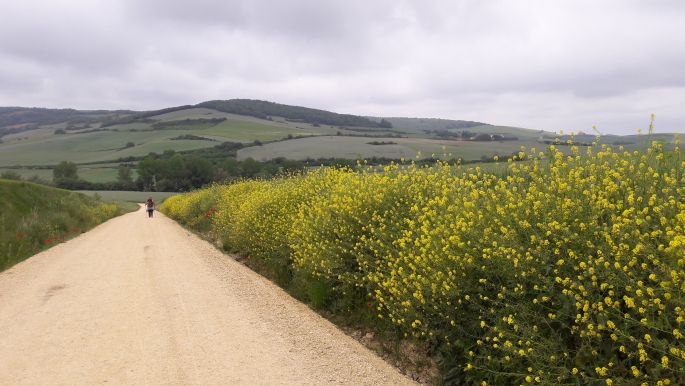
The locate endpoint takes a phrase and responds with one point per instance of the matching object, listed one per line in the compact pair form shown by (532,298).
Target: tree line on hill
(176,172)
(266,110)
(171,172)
(466,135)
(18,119)
(141,116)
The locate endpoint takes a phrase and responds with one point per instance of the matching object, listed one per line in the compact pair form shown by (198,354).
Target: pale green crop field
(92,147)
(88,173)
(128,196)
(30,134)
(131,126)
(326,147)
(505,130)
(359,148)
(467,150)
(43,147)
(192,113)
(246,131)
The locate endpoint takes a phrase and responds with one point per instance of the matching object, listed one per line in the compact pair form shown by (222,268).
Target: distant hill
(18,119)
(34,140)
(265,110)
(429,123)
(14,120)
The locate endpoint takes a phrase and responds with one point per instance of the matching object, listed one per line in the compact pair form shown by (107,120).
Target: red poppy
(19,235)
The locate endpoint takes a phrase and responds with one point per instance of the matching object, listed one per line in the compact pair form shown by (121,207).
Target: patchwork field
(267,130)
(91,147)
(360,147)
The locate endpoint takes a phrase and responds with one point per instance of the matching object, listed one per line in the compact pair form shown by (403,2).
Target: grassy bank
(34,217)
(565,269)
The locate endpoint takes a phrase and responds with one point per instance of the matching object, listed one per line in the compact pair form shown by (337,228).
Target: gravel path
(143,301)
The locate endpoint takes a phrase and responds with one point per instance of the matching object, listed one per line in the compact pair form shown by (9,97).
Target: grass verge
(35,217)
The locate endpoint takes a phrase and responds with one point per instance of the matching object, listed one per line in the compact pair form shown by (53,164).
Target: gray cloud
(533,63)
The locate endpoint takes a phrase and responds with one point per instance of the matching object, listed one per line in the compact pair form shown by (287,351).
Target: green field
(126,196)
(325,147)
(91,147)
(247,131)
(359,147)
(98,173)
(503,130)
(156,132)
(466,150)
(43,147)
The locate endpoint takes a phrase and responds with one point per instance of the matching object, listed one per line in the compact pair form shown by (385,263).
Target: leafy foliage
(65,171)
(203,123)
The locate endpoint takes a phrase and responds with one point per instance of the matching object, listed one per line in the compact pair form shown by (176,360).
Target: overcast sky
(541,64)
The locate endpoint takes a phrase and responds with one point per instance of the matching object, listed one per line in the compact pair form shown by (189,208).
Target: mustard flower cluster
(565,269)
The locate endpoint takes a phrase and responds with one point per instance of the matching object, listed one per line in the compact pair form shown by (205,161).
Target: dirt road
(143,301)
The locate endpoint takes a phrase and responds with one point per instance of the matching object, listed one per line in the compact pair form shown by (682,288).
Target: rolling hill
(33,140)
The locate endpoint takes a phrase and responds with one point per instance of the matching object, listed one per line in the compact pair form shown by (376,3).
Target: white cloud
(563,64)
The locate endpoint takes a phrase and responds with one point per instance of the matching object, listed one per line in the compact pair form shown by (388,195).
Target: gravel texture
(143,301)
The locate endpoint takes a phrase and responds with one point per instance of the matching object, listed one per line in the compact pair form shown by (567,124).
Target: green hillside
(429,123)
(33,140)
(393,148)
(34,217)
(265,110)
(18,119)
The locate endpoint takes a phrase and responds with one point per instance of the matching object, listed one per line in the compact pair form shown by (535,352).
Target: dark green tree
(125,176)
(65,171)
(250,168)
(148,173)
(385,124)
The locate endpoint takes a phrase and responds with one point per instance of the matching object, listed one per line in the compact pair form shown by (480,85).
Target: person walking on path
(150,205)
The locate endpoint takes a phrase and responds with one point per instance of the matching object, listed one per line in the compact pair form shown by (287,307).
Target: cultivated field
(326,147)
(360,148)
(96,173)
(126,196)
(115,135)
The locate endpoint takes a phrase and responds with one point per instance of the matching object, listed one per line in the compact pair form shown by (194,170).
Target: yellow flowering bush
(566,268)
(196,208)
